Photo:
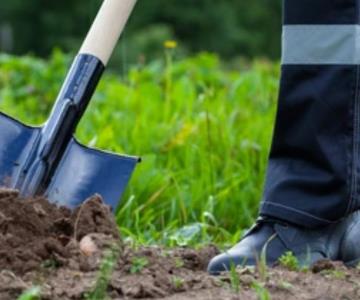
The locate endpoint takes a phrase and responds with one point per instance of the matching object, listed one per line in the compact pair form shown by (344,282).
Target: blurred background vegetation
(230,28)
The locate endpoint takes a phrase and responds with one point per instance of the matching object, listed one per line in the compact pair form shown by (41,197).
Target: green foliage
(138,264)
(286,285)
(107,267)
(179,263)
(178,282)
(261,263)
(30,85)
(203,132)
(31,294)
(289,261)
(234,278)
(336,274)
(229,27)
(261,291)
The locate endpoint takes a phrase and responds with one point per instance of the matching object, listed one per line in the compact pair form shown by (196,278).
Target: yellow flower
(170,44)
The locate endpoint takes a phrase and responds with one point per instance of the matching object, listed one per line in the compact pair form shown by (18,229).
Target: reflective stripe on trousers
(313,173)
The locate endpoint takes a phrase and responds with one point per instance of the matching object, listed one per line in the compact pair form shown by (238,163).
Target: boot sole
(353,263)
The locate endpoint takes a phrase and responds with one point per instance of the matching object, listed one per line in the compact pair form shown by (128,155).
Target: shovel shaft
(107,28)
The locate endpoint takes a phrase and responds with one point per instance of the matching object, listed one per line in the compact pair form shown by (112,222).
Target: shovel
(47,160)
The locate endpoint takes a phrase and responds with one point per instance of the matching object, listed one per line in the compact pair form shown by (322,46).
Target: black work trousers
(313,176)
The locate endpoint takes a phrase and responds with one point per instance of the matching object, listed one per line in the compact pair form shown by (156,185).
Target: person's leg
(313,174)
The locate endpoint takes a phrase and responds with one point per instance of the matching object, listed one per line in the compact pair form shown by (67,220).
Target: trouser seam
(300,212)
(355,148)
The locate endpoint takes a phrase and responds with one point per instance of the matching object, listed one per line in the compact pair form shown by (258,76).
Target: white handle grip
(107,28)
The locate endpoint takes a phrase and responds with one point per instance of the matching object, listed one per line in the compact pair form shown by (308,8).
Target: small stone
(39,210)
(88,246)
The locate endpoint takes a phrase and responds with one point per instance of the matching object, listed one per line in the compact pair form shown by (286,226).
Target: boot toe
(223,262)
(274,240)
(218,264)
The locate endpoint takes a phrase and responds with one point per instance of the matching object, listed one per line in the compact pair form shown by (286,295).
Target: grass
(179,263)
(31,294)
(106,269)
(234,278)
(261,291)
(138,264)
(177,282)
(262,265)
(289,261)
(203,130)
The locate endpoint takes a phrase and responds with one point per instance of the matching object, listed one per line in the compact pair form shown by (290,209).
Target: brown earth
(62,252)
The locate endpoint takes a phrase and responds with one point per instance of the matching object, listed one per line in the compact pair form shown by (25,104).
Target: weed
(179,263)
(106,269)
(234,278)
(262,263)
(178,282)
(31,294)
(138,264)
(289,261)
(261,291)
(337,274)
(262,267)
(285,285)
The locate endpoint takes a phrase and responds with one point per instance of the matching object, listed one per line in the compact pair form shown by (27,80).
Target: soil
(67,253)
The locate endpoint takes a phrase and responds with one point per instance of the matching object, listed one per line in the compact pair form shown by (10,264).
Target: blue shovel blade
(16,141)
(84,172)
(81,173)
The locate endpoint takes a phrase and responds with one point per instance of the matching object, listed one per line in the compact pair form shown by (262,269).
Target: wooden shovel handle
(107,28)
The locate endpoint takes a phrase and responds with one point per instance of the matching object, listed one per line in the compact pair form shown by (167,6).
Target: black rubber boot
(274,238)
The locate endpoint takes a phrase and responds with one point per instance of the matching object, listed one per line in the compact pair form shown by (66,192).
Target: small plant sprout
(336,274)
(106,270)
(285,285)
(261,291)
(179,263)
(289,261)
(178,282)
(31,294)
(138,264)
(262,265)
(234,278)
(50,264)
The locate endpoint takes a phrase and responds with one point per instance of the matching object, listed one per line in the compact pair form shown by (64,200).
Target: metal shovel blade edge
(81,173)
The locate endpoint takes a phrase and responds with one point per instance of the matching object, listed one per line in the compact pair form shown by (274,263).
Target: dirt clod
(33,230)
(323,265)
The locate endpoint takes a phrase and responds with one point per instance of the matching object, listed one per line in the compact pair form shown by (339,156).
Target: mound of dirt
(70,253)
(33,231)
